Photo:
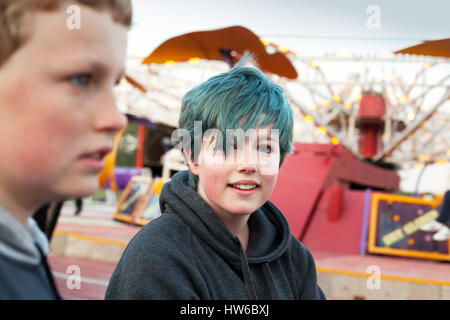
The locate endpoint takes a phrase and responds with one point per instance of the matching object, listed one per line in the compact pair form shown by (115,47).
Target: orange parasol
(215,43)
(438,48)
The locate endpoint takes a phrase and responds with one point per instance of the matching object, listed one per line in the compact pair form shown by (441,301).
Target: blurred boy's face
(57,108)
(239,184)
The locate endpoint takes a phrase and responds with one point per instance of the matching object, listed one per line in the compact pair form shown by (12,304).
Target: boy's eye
(266,149)
(81,80)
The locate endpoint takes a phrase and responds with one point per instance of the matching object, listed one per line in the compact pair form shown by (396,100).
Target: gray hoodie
(189,253)
(24,273)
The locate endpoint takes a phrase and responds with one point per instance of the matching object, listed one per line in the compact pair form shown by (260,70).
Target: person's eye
(81,80)
(265,148)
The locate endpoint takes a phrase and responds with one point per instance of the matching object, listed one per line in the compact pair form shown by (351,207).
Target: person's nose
(246,162)
(109,118)
(246,168)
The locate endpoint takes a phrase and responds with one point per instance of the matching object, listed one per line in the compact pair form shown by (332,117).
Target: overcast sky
(306,27)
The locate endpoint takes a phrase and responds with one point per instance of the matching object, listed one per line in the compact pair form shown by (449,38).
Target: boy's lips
(245,182)
(94,159)
(244,187)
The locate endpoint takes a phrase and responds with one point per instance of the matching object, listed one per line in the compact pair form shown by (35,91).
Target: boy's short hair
(236,100)
(13,12)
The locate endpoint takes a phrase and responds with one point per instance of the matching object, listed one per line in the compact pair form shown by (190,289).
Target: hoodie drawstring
(249,284)
(269,277)
(251,291)
(248,280)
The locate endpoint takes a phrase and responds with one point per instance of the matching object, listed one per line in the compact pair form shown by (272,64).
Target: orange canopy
(438,48)
(208,45)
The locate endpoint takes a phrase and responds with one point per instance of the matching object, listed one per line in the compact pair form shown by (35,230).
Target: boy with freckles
(57,119)
(219,236)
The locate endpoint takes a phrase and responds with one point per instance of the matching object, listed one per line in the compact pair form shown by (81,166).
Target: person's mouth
(94,159)
(244,185)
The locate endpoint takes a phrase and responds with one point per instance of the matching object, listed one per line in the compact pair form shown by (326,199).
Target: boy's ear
(192,165)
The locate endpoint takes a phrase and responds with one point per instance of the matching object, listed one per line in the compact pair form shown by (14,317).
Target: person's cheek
(48,147)
(34,157)
(270,182)
(211,179)
(214,181)
(268,163)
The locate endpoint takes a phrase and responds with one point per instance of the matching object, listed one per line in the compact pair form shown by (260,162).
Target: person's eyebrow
(98,67)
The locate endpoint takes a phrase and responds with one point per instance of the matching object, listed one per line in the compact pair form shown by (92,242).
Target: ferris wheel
(391,109)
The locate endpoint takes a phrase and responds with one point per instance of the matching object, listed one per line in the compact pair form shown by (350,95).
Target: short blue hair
(237,99)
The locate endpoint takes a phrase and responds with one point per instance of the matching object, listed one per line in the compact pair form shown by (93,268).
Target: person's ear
(192,165)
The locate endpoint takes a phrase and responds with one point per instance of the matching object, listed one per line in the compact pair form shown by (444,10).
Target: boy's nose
(246,160)
(246,168)
(110,119)
(246,165)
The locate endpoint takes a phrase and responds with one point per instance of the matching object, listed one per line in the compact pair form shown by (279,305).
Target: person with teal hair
(239,99)
(219,236)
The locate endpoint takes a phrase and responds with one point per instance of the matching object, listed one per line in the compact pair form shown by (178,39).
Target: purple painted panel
(124,175)
(396,215)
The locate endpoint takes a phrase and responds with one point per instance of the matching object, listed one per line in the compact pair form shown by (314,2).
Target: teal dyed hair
(238,99)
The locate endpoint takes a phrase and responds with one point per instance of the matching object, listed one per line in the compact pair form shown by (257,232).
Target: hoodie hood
(269,230)
(17,241)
